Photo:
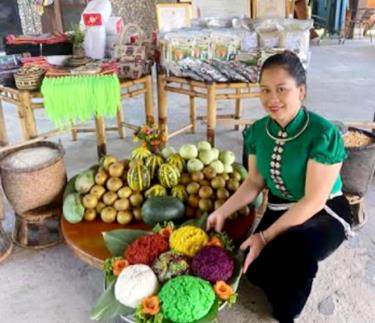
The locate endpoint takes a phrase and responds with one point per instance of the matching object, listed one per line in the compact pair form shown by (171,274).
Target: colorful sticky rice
(186,299)
(146,249)
(170,264)
(135,283)
(213,264)
(188,240)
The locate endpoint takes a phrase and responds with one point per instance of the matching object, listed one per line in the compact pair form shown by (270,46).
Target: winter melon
(162,208)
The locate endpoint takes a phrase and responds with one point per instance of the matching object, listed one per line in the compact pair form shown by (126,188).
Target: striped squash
(153,163)
(169,175)
(178,161)
(139,177)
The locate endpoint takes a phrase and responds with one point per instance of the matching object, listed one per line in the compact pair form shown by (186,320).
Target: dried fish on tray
(184,71)
(213,72)
(251,73)
(206,71)
(228,71)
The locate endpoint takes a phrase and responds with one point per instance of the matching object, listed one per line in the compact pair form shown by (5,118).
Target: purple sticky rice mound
(213,264)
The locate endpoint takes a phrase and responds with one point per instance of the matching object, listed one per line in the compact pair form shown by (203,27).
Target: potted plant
(77,37)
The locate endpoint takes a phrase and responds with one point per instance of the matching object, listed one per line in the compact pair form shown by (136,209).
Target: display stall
(219,59)
(142,218)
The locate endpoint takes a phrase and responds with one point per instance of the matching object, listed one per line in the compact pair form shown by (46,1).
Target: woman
(297,155)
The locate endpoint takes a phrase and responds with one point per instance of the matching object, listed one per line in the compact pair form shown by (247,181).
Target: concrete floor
(54,286)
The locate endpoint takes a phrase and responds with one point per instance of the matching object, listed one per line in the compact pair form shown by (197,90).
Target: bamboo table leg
(120,122)
(74,132)
(100,136)
(162,105)
(3,130)
(237,114)
(149,106)
(26,116)
(193,110)
(211,113)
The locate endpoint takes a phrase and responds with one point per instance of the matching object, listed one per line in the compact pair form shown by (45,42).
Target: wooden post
(238,109)
(100,136)
(120,121)
(74,132)
(149,105)
(3,130)
(26,116)
(193,110)
(162,105)
(211,113)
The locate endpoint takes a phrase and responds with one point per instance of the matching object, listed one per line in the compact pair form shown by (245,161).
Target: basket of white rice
(33,176)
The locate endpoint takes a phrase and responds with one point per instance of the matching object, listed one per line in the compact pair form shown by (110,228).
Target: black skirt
(287,265)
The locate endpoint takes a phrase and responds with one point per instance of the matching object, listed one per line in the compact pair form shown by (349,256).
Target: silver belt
(285,206)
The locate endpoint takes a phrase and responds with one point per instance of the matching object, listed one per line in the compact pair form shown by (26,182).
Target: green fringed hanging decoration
(72,99)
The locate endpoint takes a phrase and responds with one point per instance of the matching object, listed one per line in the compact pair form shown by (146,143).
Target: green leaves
(201,222)
(238,258)
(70,188)
(108,307)
(211,315)
(118,240)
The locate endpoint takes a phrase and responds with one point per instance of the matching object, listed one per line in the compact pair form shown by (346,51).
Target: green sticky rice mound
(186,299)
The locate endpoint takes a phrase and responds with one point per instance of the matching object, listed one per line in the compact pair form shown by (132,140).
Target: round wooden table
(86,240)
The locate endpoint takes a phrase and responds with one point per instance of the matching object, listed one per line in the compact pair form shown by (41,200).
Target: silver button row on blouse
(275,164)
(282,134)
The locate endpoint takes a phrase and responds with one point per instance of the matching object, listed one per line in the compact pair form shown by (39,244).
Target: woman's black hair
(288,61)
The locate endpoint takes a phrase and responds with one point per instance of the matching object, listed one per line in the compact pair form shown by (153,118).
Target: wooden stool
(358,210)
(38,228)
(6,244)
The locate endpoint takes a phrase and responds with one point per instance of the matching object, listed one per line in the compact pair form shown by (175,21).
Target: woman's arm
(320,179)
(245,194)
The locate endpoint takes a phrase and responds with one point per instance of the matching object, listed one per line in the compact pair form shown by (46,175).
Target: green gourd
(73,209)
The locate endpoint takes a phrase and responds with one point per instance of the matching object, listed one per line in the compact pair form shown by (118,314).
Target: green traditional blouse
(282,160)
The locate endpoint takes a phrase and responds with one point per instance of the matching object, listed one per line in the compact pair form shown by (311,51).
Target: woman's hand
(256,245)
(216,221)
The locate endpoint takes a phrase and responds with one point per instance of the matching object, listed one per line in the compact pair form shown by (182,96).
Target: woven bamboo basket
(357,207)
(30,81)
(38,228)
(33,187)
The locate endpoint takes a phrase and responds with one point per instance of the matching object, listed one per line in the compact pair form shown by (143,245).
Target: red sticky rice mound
(145,250)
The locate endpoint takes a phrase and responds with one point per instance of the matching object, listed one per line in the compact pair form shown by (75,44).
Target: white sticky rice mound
(135,283)
(30,157)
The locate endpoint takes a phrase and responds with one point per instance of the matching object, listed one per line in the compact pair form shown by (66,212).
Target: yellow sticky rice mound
(188,240)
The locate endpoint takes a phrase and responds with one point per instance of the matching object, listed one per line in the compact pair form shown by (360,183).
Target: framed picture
(221,8)
(173,16)
(270,8)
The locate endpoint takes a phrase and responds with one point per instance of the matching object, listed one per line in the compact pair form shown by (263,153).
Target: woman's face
(280,95)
